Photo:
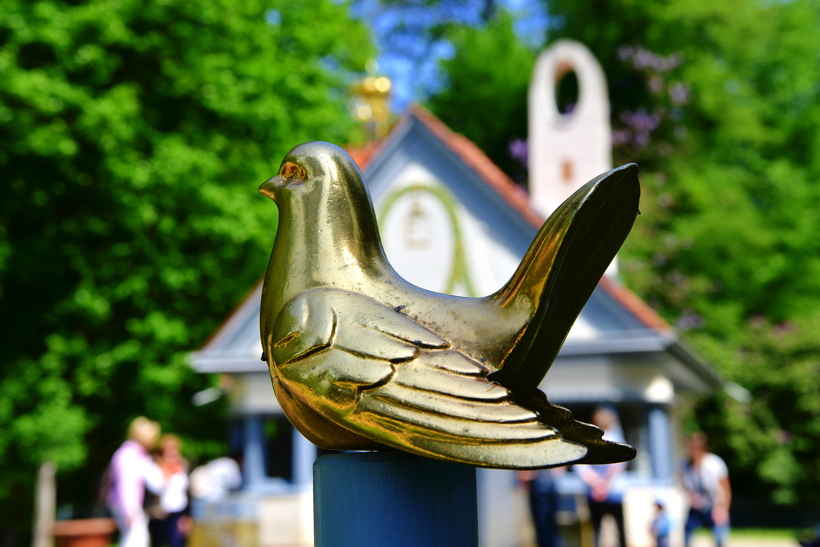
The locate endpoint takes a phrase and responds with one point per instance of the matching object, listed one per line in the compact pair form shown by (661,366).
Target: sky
(411,61)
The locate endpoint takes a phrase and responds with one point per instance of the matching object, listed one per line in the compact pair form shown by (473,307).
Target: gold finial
(370,102)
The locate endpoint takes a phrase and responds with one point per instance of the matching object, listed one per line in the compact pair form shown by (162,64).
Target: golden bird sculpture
(361,359)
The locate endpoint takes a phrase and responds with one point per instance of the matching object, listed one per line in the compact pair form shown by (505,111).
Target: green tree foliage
(484,83)
(745,153)
(773,439)
(720,104)
(730,245)
(133,136)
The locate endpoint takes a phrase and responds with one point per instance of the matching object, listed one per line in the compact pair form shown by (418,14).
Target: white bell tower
(567,150)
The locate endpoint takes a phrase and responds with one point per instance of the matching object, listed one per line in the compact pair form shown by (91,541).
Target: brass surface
(361,359)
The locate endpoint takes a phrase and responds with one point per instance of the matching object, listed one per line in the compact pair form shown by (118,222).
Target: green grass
(757,533)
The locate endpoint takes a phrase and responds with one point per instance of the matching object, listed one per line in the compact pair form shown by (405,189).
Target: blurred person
(215,480)
(606,488)
(661,525)
(132,471)
(543,499)
(169,525)
(706,480)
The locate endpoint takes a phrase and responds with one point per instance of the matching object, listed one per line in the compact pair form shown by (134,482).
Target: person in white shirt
(706,480)
(130,473)
(170,525)
(216,480)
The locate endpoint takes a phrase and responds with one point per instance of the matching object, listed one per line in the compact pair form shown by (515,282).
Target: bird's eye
(293,173)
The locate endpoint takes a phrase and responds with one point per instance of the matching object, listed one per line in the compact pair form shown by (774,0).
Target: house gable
(451,221)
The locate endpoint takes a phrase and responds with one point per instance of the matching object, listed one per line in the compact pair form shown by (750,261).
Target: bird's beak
(271,186)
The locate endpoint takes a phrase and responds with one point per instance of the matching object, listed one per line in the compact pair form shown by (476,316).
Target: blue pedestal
(393,499)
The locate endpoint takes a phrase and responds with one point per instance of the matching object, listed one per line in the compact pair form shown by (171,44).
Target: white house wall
(610,378)
(503,509)
(435,242)
(251,393)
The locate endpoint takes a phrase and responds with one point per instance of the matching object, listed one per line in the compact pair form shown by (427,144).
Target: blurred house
(451,221)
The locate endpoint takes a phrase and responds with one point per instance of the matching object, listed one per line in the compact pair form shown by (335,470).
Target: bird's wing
(381,374)
(321,319)
(561,269)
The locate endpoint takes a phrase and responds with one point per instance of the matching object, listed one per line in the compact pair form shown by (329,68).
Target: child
(662,525)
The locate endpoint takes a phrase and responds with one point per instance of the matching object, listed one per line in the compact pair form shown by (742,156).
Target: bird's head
(312,168)
(323,203)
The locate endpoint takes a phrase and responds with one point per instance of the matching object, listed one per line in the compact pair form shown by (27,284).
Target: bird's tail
(561,269)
